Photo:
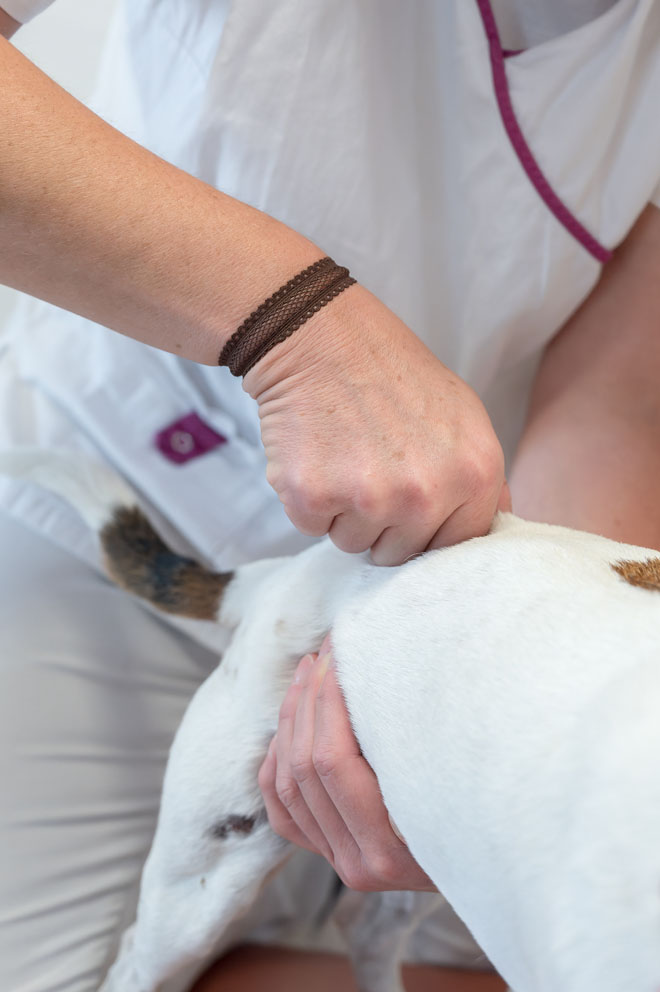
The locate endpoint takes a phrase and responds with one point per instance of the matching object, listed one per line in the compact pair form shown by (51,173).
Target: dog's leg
(181,921)
(376,926)
(213,847)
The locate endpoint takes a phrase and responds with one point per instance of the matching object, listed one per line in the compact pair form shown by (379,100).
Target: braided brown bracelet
(283,313)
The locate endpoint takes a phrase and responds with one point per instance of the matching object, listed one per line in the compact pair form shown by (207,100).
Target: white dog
(506,692)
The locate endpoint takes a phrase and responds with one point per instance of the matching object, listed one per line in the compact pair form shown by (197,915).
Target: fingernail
(303,668)
(396,830)
(323,663)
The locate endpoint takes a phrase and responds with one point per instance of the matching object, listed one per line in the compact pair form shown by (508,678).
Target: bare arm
(93,222)
(589,456)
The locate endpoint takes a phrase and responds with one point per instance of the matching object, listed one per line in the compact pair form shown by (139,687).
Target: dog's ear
(138,560)
(640,573)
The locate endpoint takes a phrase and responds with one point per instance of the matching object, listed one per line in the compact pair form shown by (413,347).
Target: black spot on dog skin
(237,824)
(139,561)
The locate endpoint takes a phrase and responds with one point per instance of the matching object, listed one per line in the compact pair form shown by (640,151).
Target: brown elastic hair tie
(283,313)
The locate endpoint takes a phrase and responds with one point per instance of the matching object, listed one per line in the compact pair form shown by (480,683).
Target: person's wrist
(283,313)
(317,345)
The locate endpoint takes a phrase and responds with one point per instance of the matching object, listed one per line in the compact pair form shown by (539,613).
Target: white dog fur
(506,692)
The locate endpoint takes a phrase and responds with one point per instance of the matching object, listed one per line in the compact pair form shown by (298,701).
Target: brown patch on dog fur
(139,561)
(236,824)
(645,574)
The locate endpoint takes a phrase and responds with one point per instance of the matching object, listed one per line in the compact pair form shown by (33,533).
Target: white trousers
(92,688)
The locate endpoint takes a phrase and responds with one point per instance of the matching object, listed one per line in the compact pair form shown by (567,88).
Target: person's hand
(371,439)
(321,794)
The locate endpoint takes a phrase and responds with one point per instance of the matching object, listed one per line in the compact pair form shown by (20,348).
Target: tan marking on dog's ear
(645,574)
(138,560)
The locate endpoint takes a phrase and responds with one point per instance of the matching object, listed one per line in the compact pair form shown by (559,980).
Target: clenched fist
(372,440)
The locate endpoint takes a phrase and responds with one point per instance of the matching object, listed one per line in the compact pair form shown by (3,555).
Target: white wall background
(65,41)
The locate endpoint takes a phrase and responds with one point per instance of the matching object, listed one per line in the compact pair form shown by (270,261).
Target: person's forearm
(94,223)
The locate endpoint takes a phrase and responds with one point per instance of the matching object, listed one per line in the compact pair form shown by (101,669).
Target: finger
(347,778)
(278,817)
(287,784)
(308,508)
(464,523)
(327,821)
(396,830)
(354,532)
(353,787)
(311,514)
(326,646)
(397,544)
(310,524)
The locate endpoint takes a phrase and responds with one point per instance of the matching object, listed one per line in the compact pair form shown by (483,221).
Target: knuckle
(297,488)
(356,877)
(301,484)
(425,501)
(324,761)
(278,823)
(302,767)
(353,877)
(367,498)
(300,490)
(383,866)
(316,501)
(485,470)
(416,495)
(311,511)
(287,792)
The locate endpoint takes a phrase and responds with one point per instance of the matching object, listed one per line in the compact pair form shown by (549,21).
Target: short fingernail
(323,663)
(303,668)
(396,830)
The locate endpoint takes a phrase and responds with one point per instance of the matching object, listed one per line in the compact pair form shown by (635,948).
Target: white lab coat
(374,128)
